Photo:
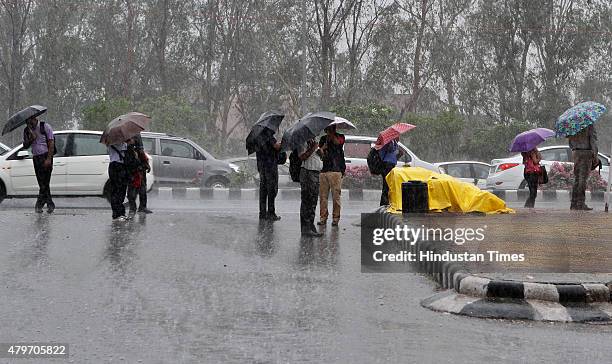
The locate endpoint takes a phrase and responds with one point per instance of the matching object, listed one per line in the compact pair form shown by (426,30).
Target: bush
(561,177)
(359,177)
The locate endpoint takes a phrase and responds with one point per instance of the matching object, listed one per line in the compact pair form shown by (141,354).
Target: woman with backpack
(389,154)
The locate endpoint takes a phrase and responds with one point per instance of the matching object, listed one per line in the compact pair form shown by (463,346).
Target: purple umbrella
(530,139)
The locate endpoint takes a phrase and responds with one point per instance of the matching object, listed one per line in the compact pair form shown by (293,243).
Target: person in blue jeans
(389,155)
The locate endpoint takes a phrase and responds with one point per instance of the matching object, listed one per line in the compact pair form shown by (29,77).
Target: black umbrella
(308,127)
(21,117)
(269,120)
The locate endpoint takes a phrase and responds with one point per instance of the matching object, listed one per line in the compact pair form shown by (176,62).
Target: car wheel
(523,185)
(217,182)
(107,191)
(2,192)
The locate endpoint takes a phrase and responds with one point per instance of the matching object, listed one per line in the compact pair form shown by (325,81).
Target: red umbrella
(391,133)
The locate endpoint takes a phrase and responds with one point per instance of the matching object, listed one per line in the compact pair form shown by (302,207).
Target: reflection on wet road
(215,284)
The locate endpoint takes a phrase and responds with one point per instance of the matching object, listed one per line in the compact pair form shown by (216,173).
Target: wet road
(204,281)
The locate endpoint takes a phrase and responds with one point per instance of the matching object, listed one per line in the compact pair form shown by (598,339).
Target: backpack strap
(118,152)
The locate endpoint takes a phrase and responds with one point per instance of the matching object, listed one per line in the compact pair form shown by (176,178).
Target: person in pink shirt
(531,160)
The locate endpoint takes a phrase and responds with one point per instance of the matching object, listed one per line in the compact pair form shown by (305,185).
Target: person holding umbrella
(334,165)
(526,143)
(578,125)
(389,152)
(301,137)
(261,140)
(38,135)
(115,136)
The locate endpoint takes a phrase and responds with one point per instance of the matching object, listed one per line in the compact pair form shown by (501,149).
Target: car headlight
(234,168)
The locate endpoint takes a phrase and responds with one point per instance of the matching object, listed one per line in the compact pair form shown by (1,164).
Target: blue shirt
(388,153)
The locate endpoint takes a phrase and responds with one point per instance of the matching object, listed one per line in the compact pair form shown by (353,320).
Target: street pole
(607,197)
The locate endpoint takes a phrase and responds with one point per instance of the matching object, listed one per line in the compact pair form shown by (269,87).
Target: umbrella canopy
(577,118)
(21,117)
(124,127)
(342,123)
(269,120)
(530,139)
(391,133)
(306,128)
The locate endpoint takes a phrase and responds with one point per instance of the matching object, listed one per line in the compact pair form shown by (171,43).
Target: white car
(467,171)
(80,168)
(4,149)
(507,173)
(356,149)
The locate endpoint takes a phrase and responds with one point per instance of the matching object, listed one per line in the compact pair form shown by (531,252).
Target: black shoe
(586,208)
(312,234)
(321,223)
(145,210)
(38,209)
(50,209)
(263,216)
(335,223)
(273,217)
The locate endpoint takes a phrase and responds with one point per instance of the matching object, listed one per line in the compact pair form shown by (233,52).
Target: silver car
(181,161)
(467,171)
(249,164)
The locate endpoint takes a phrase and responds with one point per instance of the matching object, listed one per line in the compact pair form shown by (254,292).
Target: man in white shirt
(118,176)
(309,185)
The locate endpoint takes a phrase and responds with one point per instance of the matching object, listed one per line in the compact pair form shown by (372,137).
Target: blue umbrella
(577,118)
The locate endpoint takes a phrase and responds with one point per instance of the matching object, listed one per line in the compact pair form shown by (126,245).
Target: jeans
(384,196)
(532,182)
(43,176)
(140,192)
(309,185)
(119,180)
(268,189)
(583,160)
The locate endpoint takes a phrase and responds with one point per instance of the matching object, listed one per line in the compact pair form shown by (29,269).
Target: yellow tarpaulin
(446,193)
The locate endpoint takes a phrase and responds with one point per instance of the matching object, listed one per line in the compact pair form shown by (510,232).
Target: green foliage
(97,115)
(488,140)
(369,119)
(169,114)
(436,137)
(242,178)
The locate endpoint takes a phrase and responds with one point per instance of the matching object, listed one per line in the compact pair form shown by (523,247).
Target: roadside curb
(545,195)
(197,193)
(452,275)
(518,309)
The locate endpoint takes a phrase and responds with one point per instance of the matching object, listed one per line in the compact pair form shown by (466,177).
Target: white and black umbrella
(308,127)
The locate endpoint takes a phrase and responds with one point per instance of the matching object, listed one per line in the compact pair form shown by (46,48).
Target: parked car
(80,168)
(507,173)
(179,160)
(356,149)
(467,171)
(250,164)
(4,148)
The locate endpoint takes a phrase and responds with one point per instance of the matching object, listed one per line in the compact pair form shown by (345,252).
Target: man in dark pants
(141,190)
(389,155)
(39,135)
(309,185)
(584,155)
(267,165)
(118,175)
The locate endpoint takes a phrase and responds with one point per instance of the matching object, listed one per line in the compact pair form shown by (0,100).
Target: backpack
(375,163)
(295,165)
